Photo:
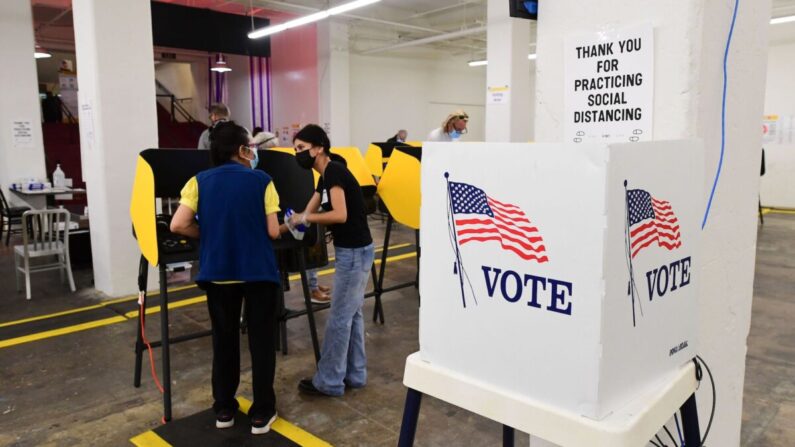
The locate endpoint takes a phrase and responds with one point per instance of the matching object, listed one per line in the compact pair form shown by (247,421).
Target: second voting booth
(561,274)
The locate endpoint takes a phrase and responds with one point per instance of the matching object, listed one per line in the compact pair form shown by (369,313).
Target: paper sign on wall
(778,129)
(609,85)
(22,134)
(499,95)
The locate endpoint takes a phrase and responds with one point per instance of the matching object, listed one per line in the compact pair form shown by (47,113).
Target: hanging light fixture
(220,64)
(40,53)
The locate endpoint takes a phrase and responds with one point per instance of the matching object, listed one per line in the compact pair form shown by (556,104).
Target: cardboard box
(527,251)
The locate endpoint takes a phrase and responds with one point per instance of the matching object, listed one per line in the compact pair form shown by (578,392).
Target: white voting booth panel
(528,251)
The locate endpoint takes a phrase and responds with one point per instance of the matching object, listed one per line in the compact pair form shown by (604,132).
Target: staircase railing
(67,113)
(176,104)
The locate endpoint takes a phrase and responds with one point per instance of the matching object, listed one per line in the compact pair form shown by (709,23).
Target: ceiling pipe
(427,40)
(442,9)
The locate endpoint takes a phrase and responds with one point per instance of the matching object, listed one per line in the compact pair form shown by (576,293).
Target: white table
(37,199)
(630,426)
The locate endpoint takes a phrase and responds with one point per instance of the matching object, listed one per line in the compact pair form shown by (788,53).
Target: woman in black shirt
(342,359)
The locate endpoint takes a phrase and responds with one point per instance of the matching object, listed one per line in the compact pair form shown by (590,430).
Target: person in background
(237,205)
(452,128)
(263,139)
(343,362)
(219,113)
(400,137)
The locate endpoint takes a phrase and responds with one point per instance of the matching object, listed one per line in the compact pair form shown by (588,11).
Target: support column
(508,97)
(690,40)
(20,156)
(113,39)
(334,78)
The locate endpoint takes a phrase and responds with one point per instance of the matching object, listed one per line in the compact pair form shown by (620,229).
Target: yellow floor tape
(280,426)
(766,211)
(135,297)
(151,310)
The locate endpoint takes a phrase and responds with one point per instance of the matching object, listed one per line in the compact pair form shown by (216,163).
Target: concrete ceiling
(377,26)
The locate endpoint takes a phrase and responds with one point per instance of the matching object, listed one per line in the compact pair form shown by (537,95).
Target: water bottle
(58,177)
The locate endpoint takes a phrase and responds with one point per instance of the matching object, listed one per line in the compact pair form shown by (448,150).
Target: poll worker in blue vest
(231,208)
(343,362)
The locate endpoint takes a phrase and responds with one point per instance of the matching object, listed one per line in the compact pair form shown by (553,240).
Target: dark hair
(225,140)
(256,130)
(314,134)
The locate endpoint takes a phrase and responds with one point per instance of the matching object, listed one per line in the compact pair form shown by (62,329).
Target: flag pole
(631,286)
(458,264)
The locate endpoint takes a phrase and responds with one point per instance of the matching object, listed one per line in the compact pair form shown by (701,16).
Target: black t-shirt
(354,233)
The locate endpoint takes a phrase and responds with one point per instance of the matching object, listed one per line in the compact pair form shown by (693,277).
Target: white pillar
(689,45)
(116,75)
(20,157)
(507,76)
(334,78)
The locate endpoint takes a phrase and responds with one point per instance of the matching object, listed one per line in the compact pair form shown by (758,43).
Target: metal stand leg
(143,273)
(310,313)
(692,433)
(378,311)
(411,413)
(507,436)
(165,346)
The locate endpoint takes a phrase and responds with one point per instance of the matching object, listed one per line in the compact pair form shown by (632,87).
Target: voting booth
(561,273)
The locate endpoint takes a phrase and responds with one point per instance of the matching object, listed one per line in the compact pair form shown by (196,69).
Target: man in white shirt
(452,127)
(218,113)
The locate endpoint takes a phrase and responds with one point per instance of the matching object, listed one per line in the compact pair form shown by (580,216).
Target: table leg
(411,414)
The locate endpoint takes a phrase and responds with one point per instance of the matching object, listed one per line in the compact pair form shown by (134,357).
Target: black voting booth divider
(161,173)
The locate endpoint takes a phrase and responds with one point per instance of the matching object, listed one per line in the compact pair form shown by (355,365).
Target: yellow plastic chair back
(399,188)
(373,158)
(356,164)
(142,210)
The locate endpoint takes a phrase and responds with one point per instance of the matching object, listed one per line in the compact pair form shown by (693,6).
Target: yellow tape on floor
(288,430)
(151,310)
(149,439)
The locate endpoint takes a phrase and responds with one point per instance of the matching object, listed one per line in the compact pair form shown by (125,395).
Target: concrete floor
(76,389)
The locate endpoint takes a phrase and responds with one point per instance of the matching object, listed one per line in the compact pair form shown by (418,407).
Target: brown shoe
(324,289)
(319,297)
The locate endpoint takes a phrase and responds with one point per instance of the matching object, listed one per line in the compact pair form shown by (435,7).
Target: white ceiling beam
(427,40)
(442,9)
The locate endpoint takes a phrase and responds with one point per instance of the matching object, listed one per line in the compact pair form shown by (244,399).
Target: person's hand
(297,219)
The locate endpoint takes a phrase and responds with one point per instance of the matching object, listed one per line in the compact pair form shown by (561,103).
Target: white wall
(390,93)
(238,82)
(19,100)
(778,185)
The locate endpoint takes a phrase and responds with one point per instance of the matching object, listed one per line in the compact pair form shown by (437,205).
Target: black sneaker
(262,424)
(307,387)
(349,386)
(225,419)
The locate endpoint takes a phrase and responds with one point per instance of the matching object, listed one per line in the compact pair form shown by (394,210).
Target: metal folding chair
(48,237)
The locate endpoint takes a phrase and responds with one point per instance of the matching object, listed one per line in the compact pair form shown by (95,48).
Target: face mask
(305,159)
(254,161)
(455,134)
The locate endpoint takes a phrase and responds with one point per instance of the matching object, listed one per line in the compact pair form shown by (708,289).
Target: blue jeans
(342,358)
(311,279)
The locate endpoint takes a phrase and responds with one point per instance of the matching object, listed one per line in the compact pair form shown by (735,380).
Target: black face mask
(305,159)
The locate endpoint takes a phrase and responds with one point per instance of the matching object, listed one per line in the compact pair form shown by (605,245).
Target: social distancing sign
(609,85)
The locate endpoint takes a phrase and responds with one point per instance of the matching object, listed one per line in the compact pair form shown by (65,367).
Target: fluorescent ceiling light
(315,17)
(785,19)
(41,53)
(485,62)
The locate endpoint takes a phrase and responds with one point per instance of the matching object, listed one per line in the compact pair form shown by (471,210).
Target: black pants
(224,303)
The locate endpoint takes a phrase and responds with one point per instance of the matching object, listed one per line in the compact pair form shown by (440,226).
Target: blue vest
(234,241)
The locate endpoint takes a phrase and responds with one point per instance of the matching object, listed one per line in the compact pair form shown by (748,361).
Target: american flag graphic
(480,218)
(651,220)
